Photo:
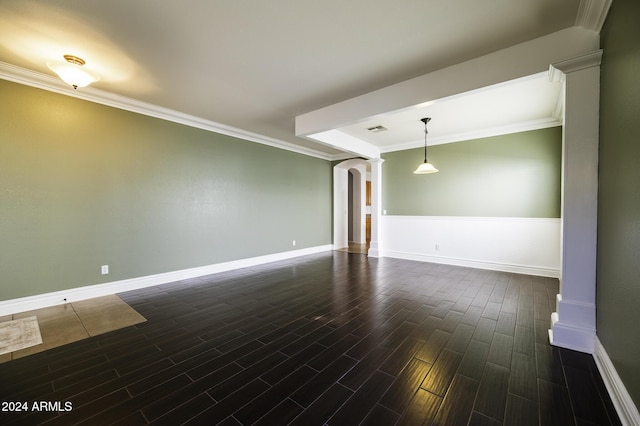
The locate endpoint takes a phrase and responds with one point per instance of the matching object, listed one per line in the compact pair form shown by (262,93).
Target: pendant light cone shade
(426,167)
(72,72)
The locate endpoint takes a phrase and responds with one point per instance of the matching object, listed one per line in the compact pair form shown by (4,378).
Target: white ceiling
(525,104)
(256,65)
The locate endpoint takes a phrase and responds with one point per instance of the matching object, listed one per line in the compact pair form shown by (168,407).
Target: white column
(359,205)
(340,201)
(573,325)
(375,245)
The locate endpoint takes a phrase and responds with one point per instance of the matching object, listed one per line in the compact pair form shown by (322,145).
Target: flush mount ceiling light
(426,167)
(72,71)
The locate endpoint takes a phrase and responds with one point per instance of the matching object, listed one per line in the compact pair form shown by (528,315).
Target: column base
(374,250)
(571,336)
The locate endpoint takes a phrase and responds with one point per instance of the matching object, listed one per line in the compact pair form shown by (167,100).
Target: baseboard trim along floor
(8,307)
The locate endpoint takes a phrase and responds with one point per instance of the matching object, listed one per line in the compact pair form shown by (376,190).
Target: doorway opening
(352,206)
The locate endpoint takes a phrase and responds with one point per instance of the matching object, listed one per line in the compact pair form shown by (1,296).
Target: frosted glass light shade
(425,168)
(72,74)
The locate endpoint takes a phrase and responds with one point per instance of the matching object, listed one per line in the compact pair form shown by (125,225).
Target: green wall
(516,175)
(618,268)
(82,185)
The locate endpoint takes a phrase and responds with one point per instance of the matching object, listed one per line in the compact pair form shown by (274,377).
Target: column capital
(589,60)
(376,161)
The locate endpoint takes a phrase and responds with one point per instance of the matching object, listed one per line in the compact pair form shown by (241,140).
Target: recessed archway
(341,205)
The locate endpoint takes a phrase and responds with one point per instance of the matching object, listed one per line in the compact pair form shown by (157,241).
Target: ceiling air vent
(376,129)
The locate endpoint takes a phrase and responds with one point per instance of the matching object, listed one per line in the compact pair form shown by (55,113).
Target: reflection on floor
(356,248)
(70,322)
(331,339)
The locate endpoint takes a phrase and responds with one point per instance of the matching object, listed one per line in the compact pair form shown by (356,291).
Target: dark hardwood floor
(334,338)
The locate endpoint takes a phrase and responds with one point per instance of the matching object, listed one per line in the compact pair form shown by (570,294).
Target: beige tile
(6,318)
(5,358)
(98,303)
(109,318)
(68,323)
(47,313)
(56,331)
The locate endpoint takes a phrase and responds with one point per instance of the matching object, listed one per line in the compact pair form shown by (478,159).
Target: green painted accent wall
(84,185)
(618,268)
(516,175)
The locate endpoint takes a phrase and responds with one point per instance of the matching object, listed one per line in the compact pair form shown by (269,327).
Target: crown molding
(42,81)
(478,134)
(592,14)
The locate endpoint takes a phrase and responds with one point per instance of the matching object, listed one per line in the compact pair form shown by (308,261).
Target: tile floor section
(63,324)
(356,248)
(328,339)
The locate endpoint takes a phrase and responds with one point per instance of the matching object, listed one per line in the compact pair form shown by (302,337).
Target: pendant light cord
(425,121)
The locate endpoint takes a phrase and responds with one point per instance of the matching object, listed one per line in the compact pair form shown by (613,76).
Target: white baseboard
(627,410)
(494,266)
(8,307)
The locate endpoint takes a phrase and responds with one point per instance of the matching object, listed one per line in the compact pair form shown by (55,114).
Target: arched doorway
(349,204)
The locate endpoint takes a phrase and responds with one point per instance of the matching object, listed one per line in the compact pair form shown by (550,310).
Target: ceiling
(257,65)
(527,103)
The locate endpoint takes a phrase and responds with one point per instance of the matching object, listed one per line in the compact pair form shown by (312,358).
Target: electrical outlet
(104,269)
(294,242)
(437,247)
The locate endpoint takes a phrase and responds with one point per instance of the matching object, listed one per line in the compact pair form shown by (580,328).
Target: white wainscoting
(520,245)
(8,307)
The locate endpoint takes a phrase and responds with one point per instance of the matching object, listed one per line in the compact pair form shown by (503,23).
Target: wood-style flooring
(334,338)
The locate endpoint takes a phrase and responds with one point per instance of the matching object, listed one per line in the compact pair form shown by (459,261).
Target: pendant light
(72,72)
(426,167)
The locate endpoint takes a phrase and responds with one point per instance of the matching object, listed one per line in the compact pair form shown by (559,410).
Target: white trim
(470,263)
(542,123)
(592,14)
(340,202)
(479,218)
(22,304)
(524,59)
(558,109)
(626,409)
(343,141)
(589,60)
(376,242)
(571,336)
(576,312)
(559,70)
(574,325)
(42,81)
